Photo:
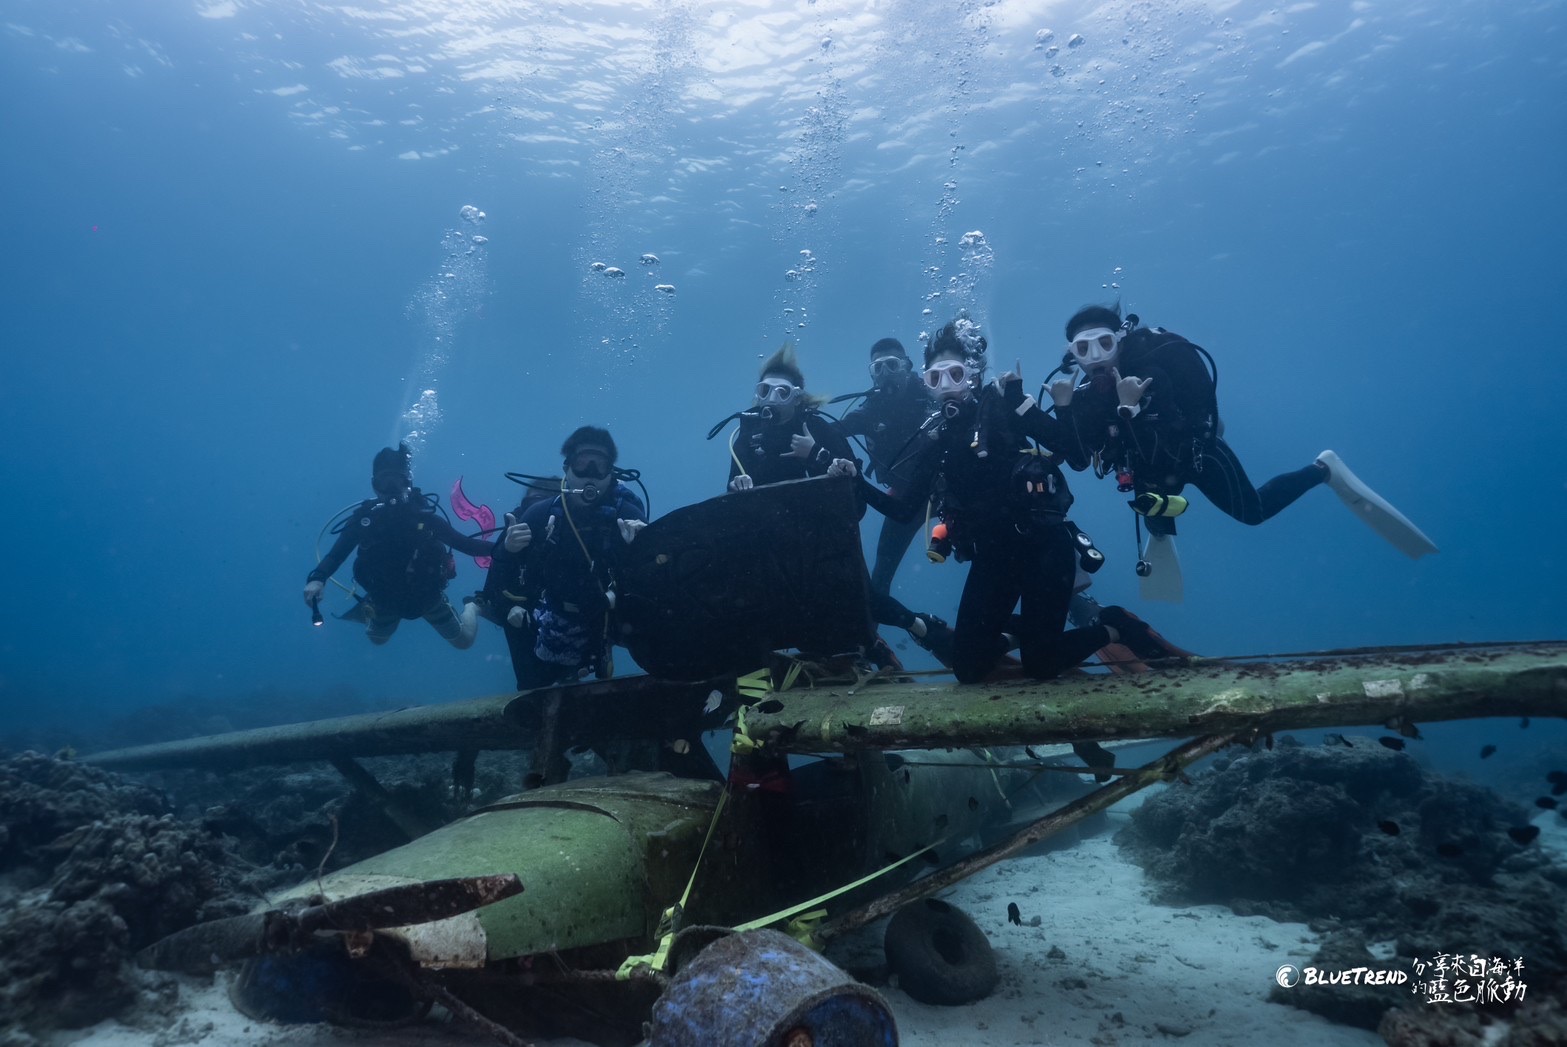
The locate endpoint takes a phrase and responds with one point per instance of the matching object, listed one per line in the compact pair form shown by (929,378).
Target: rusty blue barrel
(764,989)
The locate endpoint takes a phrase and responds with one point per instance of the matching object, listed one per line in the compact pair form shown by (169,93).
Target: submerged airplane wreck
(613,907)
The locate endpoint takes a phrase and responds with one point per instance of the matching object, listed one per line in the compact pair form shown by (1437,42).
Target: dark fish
(1547,803)
(1032,755)
(905,776)
(1449,850)
(1524,834)
(1267,740)
(1486,751)
(973,804)
(1017,917)
(1556,777)
(1391,828)
(1559,788)
(1523,723)
(1396,744)
(1337,739)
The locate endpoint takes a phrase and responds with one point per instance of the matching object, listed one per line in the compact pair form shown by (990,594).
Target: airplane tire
(939,954)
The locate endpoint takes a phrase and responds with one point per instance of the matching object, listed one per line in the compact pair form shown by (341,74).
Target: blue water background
(227,229)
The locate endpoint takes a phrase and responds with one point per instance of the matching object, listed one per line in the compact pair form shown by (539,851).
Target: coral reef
(1391,864)
(94,868)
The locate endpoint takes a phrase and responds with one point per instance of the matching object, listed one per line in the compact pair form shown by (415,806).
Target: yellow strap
(669,922)
(819,900)
(755,685)
(742,743)
(792,675)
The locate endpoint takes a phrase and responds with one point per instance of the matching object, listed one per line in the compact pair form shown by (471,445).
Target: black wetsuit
(1174,440)
(762,446)
(561,582)
(1005,510)
(887,422)
(403,562)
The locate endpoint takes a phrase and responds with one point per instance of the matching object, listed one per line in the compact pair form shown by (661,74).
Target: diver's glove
(1061,391)
(1150,504)
(313,590)
(842,467)
(518,535)
(741,483)
(1010,386)
(517,617)
(801,444)
(629,529)
(1130,391)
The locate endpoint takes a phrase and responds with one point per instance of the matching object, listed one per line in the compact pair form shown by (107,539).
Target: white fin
(1163,583)
(1375,510)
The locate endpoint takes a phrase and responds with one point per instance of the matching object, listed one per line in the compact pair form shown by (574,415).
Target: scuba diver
(785,437)
(1003,506)
(552,576)
(886,422)
(1146,409)
(404,559)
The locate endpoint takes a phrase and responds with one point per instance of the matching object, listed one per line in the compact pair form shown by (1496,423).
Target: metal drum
(764,989)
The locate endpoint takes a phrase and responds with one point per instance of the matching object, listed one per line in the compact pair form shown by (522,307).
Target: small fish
(1396,744)
(973,804)
(1015,916)
(1524,834)
(1524,723)
(1547,803)
(1486,751)
(1337,739)
(1389,827)
(1032,755)
(1449,850)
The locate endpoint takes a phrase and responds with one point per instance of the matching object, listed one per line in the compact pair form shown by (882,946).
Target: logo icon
(1288,976)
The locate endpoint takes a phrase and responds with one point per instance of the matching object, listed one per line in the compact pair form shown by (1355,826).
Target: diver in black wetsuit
(403,562)
(552,576)
(1004,503)
(784,437)
(887,422)
(1146,409)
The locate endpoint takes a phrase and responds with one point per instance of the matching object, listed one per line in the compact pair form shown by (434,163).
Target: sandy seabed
(1104,966)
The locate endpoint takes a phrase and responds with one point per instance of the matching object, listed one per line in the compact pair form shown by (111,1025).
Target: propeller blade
(201,948)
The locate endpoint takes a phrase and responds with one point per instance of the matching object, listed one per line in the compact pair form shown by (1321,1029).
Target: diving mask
(889,367)
(1095,348)
(949,379)
(775,391)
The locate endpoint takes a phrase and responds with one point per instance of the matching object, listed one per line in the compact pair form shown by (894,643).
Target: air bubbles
(649,259)
(805,252)
(664,288)
(791,274)
(480,240)
(598,267)
(1075,40)
(1052,51)
(810,209)
(976,238)
(614,273)
(1056,70)
(471,214)
(826,43)
(1043,37)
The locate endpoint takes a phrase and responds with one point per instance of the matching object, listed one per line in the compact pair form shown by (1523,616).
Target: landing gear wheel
(940,955)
